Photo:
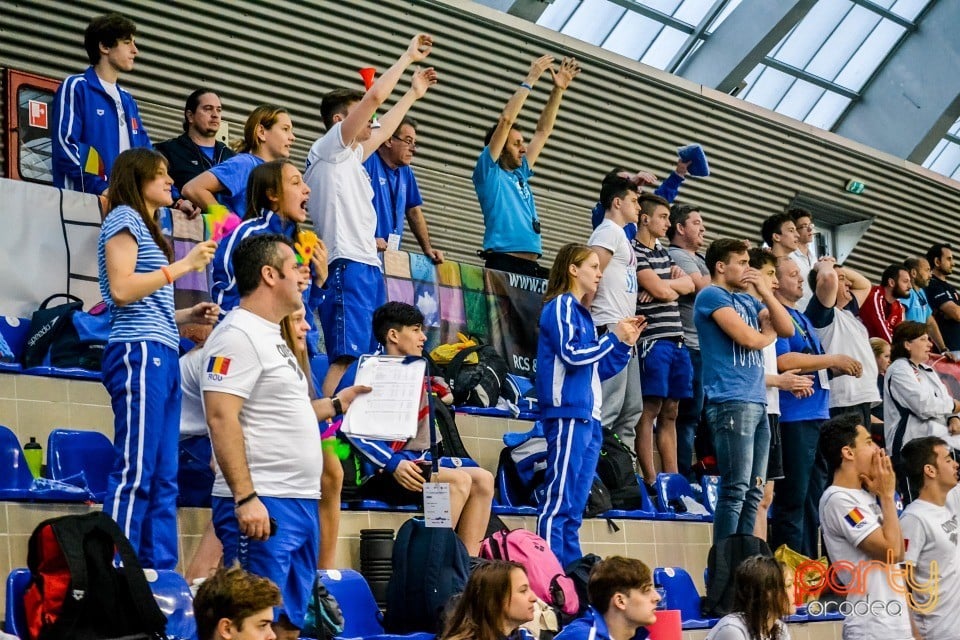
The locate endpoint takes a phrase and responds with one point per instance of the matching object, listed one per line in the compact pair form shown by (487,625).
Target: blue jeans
(741,435)
(688,418)
(796,497)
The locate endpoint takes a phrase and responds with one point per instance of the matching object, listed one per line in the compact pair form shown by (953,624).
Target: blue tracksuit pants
(143,380)
(573,448)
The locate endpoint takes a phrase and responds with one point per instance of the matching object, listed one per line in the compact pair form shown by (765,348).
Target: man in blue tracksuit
(96,120)
(622,602)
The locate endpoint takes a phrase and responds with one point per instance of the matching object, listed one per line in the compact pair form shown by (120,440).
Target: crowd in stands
(771,357)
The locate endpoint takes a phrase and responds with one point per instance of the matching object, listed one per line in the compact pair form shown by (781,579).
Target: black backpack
(324,620)
(451,444)
(617,471)
(430,565)
(579,572)
(598,500)
(481,384)
(76,592)
(725,556)
(71,337)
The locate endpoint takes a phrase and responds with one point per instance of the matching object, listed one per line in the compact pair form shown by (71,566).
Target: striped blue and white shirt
(663,318)
(151,317)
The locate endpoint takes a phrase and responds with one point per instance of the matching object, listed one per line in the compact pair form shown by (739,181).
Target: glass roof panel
(955,129)
(557,13)
(870,55)
(827,110)
(852,31)
(909,9)
(632,35)
(664,6)
(664,47)
(727,10)
(947,162)
(803,41)
(693,12)
(593,20)
(769,88)
(800,99)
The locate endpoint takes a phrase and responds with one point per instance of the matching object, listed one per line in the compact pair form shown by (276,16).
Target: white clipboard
(389,412)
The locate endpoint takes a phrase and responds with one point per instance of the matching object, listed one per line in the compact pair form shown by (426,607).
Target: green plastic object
(33,453)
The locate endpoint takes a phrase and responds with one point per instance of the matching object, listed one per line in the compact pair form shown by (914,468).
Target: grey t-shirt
(691,263)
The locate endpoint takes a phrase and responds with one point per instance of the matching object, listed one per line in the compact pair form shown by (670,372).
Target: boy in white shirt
(930,531)
(858,530)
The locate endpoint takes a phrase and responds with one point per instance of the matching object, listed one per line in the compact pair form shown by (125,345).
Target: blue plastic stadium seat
(672,487)
(73,373)
(377,505)
(360,612)
(70,451)
(173,595)
(711,488)
(681,594)
(493,412)
(15,619)
(15,476)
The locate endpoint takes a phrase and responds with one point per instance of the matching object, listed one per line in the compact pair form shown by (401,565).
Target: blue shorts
(666,370)
(354,291)
(288,558)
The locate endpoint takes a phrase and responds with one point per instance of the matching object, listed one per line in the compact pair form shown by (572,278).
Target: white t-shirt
(245,356)
(847,517)
(806,266)
(113,92)
(930,535)
(341,199)
(193,422)
(770,369)
(616,297)
(732,627)
(847,336)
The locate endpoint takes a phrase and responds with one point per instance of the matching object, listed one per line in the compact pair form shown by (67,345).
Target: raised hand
(420,47)
(537,67)
(200,255)
(423,79)
(569,69)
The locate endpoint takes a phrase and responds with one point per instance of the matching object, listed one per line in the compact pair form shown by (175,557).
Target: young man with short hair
(686,236)
(665,369)
(736,317)
(501,177)
(917,308)
(343,209)
(779,232)
(397,473)
(233,604)
(803,256)
(197,148)
(616,298)
(930,531)
(622,600)
(882,311)
(94,118)
(943,296)
(860,527)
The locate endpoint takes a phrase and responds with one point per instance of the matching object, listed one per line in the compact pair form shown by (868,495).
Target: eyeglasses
(810,226)
(410,142)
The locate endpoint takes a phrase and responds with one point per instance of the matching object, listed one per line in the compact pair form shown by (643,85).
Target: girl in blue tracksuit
(280,195)
(140,363)
(571,362)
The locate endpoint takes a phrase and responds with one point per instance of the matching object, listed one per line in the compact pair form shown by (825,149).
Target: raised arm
(127,286)
(827,284)
(885,543)
(202,190)
(859,285)
(359,117)
(739,331)
(569,69)
(423,79)
(512,109)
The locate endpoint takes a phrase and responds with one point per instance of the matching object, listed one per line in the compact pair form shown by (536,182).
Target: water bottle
(33,454)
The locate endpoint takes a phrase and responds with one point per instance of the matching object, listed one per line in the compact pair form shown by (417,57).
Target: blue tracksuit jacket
(85,117)
(571,360)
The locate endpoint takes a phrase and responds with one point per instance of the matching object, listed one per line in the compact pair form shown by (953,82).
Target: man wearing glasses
(803,256)
(396,196)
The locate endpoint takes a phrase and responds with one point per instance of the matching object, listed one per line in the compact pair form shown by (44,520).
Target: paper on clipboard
(389,412)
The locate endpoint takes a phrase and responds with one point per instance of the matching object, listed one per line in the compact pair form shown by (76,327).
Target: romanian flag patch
(219,365)
(854,518)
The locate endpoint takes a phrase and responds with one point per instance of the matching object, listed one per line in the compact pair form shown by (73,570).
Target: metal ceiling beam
(742,41)
(527,9)
(914,98)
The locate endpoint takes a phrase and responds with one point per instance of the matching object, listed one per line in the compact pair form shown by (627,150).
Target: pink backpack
(546,576)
